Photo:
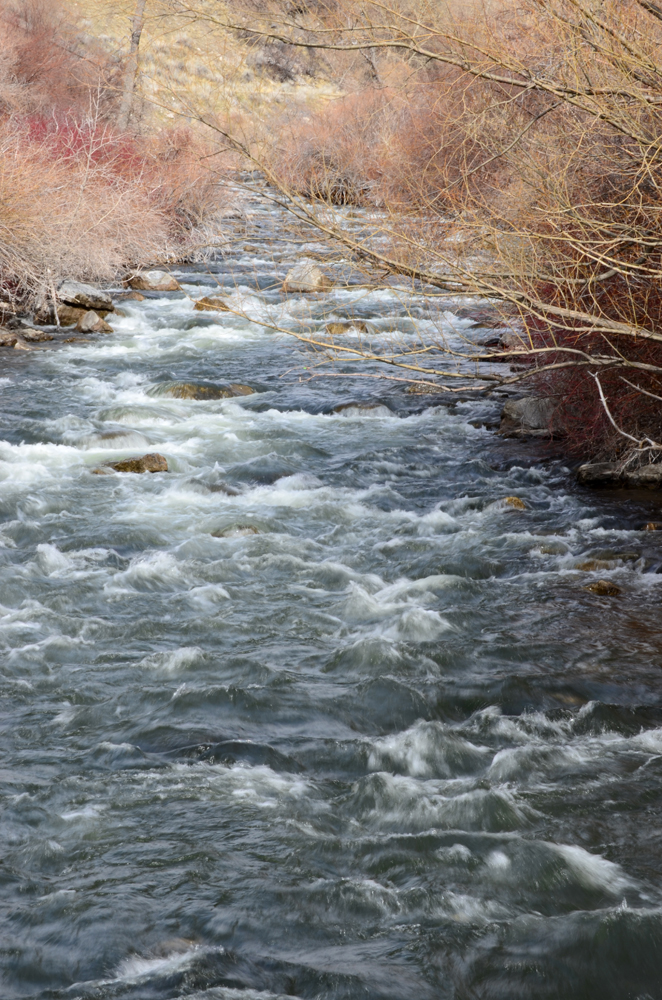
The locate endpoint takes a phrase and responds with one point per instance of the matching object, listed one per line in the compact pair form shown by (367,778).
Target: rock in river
(515,503)
(146,463)
(91,322)
(154,281)
(604,588)
(337,329)
(211,303)
(198,390)
(306,277)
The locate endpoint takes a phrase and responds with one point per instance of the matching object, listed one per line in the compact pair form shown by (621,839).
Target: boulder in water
(91,322)
(529,417)
(306,277)
(211,303)
(131,296)
(146,463)
(222,487)
(604,588)
(515,503)
(337,329)
(197,390)
(359,409)
(8,338)
(154,281)
(236,531)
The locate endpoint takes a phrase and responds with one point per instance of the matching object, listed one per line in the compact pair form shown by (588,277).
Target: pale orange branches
(81,196)
(513,151)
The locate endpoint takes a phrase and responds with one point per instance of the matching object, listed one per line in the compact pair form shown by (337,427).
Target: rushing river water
(314,713)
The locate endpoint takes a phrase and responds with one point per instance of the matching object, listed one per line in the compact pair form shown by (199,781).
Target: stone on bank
(648,477)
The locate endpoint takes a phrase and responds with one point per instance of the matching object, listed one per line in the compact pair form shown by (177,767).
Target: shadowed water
(315,713)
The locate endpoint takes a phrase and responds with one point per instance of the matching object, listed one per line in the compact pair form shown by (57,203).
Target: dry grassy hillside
(189,64)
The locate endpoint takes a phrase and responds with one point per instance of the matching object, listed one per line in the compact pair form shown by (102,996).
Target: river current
(315,713)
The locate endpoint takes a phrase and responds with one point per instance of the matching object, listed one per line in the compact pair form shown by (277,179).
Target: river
(315,713)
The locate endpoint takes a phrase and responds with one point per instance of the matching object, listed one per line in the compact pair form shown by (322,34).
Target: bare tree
(131,67)
(537,182)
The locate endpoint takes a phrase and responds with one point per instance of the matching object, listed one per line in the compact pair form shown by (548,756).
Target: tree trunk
(131,68)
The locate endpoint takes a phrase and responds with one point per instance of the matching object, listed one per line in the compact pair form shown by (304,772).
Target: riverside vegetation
(510,149)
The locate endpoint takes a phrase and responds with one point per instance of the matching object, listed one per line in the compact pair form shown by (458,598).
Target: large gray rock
(154,281)
(528,417)
(306,277)
(75,293)
(599,474)
(648,477)
(91,322)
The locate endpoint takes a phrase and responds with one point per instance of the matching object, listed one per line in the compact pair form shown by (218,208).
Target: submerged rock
(236,531)
(131,297)
(82,296)
(154,281)
(146,463)
(422,388)
(91,322)
(358,409)
(593,565)
(604,588)
(515,503)
(337,329)
(211,303)
(611,474)
(529,417)
(222,487)
(306,277)
(198,390)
